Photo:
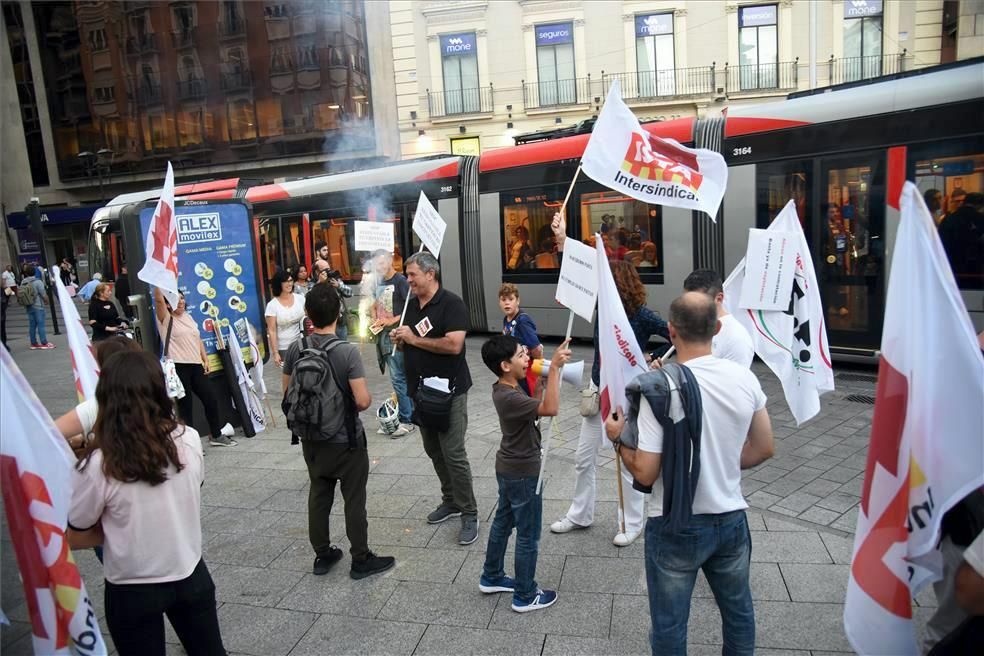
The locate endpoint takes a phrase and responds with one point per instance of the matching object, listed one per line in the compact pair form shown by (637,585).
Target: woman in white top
(284,314)
(137,491)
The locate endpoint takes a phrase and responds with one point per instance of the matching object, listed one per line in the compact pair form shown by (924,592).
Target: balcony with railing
(757,78)
(855,69)
(183,38)
(667,84)
(192,89)
(236,81)
(142,44)
(547,94)
(454,102)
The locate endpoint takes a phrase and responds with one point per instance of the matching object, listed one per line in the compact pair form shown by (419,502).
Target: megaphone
(571,372)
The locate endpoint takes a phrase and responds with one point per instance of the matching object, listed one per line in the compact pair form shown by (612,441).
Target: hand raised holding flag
(161,250)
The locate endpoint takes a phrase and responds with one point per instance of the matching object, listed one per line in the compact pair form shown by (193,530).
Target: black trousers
(3,319)
(195,381)
(135,615)
(328,464)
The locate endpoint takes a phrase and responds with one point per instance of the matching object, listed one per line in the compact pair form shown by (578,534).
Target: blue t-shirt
(522,328)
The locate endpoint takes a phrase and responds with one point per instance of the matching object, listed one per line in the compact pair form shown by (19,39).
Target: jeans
(35,322)
(327,464)
(135,615)
(521,507)
(721,546)
(398,376)
(447,452)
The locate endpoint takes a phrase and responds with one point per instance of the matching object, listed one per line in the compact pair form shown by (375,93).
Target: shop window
(862,39)
(758,46)
(528,242)
(190,128)
(242,121)
(632,230)
(654,55)
(555,64)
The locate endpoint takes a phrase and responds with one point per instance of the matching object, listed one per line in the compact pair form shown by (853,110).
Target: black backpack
(317,405)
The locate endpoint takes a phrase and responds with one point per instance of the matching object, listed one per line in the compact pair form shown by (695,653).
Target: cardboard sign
(770,264)
(577,287)
(429,226)
(373,236)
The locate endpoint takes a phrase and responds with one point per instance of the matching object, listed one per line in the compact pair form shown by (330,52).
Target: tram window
(952,188)
(338,233)
(779,183)
(528,242)
(631,229)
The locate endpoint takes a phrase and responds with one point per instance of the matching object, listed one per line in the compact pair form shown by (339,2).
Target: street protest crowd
(682,426)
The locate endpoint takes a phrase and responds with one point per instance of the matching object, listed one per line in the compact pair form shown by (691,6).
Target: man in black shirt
(433,343)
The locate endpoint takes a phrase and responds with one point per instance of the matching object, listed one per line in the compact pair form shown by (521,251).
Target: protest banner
(577,286)
(429,226)
(84,366)
(770,265)
(373,236)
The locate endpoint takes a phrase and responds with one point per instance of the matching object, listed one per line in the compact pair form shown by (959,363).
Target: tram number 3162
(743,150)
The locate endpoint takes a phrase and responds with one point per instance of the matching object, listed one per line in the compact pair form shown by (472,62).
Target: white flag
(927,437)
(794,342)
(84,365)
(161,266)
(36,469)
(258,383)
(623,156)
(621,358)
(253,406)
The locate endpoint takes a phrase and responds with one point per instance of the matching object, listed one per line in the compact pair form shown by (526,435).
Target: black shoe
(323,564)
(443,513)
(370,565)
(294,440)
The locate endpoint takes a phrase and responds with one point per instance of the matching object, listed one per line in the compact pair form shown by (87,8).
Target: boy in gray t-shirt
(517,466)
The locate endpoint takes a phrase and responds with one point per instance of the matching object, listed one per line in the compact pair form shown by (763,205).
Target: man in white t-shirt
(732,341)
(736,434)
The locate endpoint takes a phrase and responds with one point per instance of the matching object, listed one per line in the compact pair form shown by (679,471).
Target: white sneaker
(228,430)
(409,428)
(625,539)
(400,431)
(564,525)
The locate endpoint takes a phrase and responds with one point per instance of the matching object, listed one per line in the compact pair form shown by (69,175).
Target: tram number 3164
(743,150)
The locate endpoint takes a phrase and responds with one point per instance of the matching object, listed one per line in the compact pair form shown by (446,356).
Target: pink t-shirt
(153,533)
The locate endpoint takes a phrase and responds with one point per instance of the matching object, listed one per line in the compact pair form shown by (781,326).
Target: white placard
(429,226)
(577,287)
(770,264)
(373,236)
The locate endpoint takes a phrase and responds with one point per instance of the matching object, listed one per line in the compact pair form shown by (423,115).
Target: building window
(184,18)
(104,94)
(97,39)
(758,47)
(862,39)
(555,64)
(654,55)
(459,61)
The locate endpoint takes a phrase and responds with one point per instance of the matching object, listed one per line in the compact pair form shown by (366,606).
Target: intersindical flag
(36,477)
(793,342)
(84,365)
(927,437)
(161,266)
(623,156)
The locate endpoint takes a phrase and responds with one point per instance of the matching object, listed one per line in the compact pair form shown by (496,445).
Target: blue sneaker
(501,584)
(542,599)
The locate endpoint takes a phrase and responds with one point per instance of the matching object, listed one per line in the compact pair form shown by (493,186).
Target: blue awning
(55,216)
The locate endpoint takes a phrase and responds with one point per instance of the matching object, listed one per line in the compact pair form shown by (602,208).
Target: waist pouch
(432,408)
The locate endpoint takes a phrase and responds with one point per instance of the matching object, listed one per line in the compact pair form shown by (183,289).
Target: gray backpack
(317,405)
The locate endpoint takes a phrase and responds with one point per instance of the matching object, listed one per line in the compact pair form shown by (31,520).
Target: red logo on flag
(164,234)
(653,158)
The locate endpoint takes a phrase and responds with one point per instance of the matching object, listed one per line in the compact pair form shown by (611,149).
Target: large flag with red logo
(623,156)
(80,347)
(161,267)
(36,476)
(927,437)
(619,352)
(793,342)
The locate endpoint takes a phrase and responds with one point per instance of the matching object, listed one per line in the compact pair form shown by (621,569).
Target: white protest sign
(428,225)
(373,236)
(577,287)
(770,264)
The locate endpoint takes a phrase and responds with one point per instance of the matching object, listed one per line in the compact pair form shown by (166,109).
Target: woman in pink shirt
(137,491)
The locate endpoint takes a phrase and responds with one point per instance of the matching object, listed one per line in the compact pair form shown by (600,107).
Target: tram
(841,153)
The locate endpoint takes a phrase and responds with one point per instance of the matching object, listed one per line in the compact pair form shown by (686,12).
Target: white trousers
(582,507)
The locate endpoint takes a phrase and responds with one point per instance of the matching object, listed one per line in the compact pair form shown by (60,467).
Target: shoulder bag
(175,388)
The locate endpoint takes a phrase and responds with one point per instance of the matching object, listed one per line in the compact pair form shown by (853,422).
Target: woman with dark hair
(284,314)
(103,316)
(182,343)
(137,491)
(645,323)
(302,282)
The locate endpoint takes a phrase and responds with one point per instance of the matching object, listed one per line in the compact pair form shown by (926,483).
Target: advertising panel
(216,269)
(458,44)
(862,8)
(552,34)
(653,24)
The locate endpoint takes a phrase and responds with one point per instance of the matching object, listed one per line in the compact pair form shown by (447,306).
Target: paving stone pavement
(802,519)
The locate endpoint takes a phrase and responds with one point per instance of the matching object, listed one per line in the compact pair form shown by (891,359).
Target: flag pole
(406,303)
(621,499)
(553,420)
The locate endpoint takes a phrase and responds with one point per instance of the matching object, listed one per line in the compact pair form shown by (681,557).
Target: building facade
(473,74)
(108,92)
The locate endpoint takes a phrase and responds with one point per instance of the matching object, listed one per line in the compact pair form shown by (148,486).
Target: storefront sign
(757,16)
(466,146)
(653,24)
(862,8)
(27,241)
(553,34)
(458,44)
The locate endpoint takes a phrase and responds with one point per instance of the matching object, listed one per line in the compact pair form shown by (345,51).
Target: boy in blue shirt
(518,324)
(517,467)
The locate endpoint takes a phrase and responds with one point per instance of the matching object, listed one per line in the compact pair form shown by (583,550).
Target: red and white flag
(83,355)
(36,476)
(623,156)
(161,267)
(927,437)
(620,357)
